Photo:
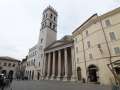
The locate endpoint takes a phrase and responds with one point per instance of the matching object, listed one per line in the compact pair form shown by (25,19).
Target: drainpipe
(115,77)
(84,57)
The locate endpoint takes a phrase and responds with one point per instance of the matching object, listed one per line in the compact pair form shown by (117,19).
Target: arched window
(51,16)
(41,40)
(54,18)
(53,27)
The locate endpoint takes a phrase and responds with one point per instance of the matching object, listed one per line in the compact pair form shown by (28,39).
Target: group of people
(5,81)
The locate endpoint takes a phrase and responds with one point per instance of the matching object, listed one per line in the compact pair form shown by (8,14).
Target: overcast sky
(20,20)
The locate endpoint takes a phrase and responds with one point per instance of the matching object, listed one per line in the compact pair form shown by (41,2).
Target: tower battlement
(51,9)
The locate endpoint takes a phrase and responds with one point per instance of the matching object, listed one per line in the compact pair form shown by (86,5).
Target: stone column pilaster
(48,68)
(66,64)
(53,66)
(74,73)
(59,65)
(44,65)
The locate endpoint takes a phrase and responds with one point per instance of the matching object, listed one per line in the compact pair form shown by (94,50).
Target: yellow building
(97,44)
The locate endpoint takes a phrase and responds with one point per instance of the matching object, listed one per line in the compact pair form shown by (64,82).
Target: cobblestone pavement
(54,85)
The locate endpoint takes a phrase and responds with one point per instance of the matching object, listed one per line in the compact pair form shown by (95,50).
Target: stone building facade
(59,60)
(9,66)
(23,68)
(97,44)
(48,34)
(84,56)
(32,63)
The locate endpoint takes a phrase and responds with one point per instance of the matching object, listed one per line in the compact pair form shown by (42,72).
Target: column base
(59,77)
(52,77)
(65,78)
(73,78)
(47,77)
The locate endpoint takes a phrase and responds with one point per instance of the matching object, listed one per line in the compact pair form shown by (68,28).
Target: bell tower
(48,32)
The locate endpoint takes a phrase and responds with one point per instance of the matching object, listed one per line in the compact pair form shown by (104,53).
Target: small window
(90,56)
(39,63)
(42,26)
(13,65)
(51,16)
(112,36)
(107,22)
(77,60)
(41,40)
(86,33)
(99,46)
(117,50)
(5,64)
(88,43)
(53,27)
(9,64)
(54,18)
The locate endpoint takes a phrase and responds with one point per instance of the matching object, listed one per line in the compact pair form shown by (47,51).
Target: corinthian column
(53,66)
(59,65)
(44,65)
(66,64)
(48,70)
(74,73)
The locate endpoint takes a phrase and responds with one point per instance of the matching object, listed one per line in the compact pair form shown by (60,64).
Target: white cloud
(20,20)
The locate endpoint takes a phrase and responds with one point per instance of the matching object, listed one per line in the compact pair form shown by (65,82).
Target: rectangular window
(90,56)
(107,22)
(13,65)
(99,46)
(86,33)
(54,18)
(117,50)
(9,64)
(77,60)
(5,64)
(39,63)
(112,36)
(88,43)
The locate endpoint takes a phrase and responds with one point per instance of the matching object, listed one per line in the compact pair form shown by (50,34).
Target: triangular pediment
(57,43)
(65,40)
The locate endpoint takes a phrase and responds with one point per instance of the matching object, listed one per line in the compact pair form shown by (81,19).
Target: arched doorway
(4,72)
(10,75)
(92,73)
(79,73)
(38,76)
